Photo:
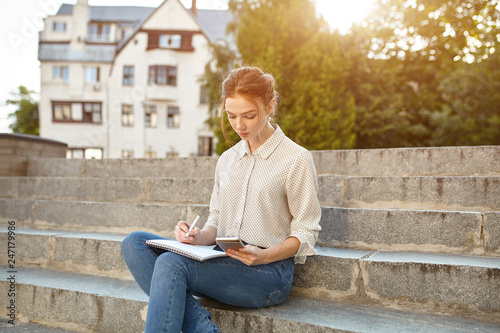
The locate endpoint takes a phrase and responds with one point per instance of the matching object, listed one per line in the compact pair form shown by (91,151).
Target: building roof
(212,22)
(112,13)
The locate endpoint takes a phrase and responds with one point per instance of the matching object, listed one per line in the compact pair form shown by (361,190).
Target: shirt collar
(267,147)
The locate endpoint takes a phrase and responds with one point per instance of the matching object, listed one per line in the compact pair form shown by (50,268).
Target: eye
(250,117)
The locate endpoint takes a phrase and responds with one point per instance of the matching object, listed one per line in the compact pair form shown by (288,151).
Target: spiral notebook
(197,252)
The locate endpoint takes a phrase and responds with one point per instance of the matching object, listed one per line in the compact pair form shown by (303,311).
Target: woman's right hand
(181,230)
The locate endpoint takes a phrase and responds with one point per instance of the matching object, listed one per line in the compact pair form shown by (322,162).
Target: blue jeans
(171,280)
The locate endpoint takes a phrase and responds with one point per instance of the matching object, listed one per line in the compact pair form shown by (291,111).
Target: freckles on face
(239,106)
(250,120)
(243,116)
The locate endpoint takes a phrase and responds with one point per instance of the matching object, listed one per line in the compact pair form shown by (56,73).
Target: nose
(239,124)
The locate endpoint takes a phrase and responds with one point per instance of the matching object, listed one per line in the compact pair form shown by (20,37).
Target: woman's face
(250,120)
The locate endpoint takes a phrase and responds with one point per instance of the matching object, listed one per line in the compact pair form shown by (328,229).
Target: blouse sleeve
(302,193)
(213,218)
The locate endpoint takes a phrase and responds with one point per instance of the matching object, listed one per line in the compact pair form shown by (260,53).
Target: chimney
(81,15)
(193,8)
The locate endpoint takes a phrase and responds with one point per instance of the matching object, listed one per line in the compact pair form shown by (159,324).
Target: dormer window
(170,41)
(176,40)
(99,32)
(59,26)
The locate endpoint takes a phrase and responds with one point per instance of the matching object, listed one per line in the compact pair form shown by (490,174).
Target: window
(126,32)
(128,75)
(61,72)
(175,40)
(91,112)
(75,153)
(91,74)
(82,112)
(61,111)
(170,41)
(127,115)
(59,26)
(204,146)
(203,95)
(93,153)
(99,32)
(151,119)
(127,153)
(173,117)
(88,153)
(163,75)
(150,154)
(172,154)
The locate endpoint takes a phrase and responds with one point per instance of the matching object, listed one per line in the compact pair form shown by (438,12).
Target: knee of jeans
(132,239)
(170,260)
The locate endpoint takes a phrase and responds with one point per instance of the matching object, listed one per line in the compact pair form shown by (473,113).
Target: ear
(270,106)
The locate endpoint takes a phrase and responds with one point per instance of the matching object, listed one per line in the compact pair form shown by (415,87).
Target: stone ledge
(428,193)
(459,284)
(434,161)
(16,149)
(475,233)
(31,138)
(109,305)
(421,161)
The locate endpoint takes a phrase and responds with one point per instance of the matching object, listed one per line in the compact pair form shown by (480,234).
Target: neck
(264,135)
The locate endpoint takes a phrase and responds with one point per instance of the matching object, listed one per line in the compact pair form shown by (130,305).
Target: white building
(124,81)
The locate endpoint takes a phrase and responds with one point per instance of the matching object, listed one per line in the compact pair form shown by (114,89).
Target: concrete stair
(410,241)
(110,305)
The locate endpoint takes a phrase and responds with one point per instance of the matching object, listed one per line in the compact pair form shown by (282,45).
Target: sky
(20,22)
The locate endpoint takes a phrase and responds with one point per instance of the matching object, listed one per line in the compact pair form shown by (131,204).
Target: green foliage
(287,39)
(415,73)
(320,113)
(223,60)
(26,115)
(432,29)
(403,99)
(472,115)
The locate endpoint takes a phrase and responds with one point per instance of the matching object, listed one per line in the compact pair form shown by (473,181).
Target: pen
(192,225)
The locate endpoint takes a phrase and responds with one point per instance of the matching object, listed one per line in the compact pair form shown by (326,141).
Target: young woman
(265,193)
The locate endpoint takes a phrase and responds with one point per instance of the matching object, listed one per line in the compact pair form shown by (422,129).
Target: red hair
(250,83)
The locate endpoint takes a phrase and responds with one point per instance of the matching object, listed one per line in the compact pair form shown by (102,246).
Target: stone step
(167,190)
(27,327)
(411,230)
(431,161)
(83,216)
(189,167)
(432,193)
(372,229)
(449,161)
(110,305)
(458,284)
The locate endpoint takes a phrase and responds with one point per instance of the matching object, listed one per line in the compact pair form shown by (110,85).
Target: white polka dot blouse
(265,197)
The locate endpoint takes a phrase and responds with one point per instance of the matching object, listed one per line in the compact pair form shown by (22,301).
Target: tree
(432,29)
(416,73)
(223,60)
(26,116)
(472,116)
(420,45)
(287,39)
(321,110)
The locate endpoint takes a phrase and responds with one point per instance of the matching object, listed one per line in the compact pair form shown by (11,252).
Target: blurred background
(352,74)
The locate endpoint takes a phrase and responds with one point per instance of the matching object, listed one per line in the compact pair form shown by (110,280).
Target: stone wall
(16,149)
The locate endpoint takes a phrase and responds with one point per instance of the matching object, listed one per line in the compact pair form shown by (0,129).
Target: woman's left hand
(249,255)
